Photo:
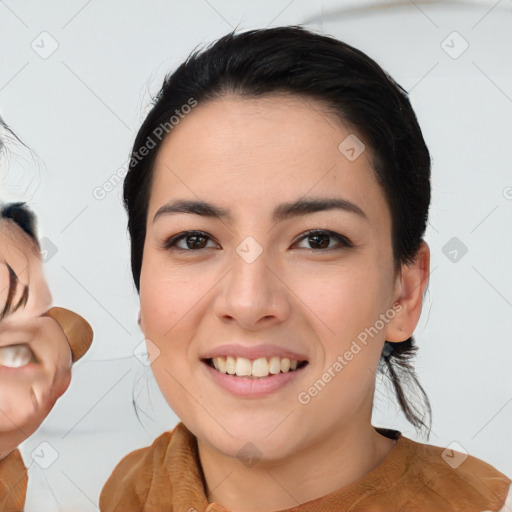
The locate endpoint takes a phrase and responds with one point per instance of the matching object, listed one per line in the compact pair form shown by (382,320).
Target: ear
(409,290)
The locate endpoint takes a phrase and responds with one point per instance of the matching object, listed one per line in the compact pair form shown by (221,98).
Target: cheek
(165,298)
(346,299)
(172,304)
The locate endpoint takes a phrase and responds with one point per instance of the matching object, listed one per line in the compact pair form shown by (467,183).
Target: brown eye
(194,240)
(320,239)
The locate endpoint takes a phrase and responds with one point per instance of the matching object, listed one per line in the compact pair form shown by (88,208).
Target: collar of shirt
(182,461)
(413,475)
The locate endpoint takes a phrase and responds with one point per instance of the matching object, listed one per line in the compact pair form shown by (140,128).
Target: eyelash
(343,241)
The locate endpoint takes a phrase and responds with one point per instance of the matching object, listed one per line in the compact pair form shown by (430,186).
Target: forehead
(254,152)
(15,257)
(13,239)
(14,242)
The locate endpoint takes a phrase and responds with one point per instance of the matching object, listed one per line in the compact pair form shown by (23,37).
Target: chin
(249,450)
(246,437)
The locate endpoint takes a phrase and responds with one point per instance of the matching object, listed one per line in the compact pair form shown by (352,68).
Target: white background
(79,109)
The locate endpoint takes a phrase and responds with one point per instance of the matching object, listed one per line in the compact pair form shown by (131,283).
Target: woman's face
(35,357)
(19,252)
(25,320)
(26,315)
(254,285)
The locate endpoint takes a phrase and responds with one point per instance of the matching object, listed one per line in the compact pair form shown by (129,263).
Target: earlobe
(411,285)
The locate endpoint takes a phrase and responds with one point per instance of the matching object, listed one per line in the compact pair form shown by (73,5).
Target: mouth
(259,368)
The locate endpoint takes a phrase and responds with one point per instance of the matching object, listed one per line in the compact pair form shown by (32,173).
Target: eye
(193,240)
(321,238)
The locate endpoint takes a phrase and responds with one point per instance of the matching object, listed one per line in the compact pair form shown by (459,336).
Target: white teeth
(221,364)
(275,365)
(230,365)
(15,356)
(261,367)
(243,367)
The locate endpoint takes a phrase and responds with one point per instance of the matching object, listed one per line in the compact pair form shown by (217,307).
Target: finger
(77,330)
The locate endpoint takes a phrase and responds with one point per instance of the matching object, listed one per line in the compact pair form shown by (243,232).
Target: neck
(338,459)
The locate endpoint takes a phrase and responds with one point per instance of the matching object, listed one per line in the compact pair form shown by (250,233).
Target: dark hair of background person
(294,60)
(21,214)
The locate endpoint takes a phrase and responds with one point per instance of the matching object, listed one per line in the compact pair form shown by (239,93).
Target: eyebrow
(13,284)
(281,212)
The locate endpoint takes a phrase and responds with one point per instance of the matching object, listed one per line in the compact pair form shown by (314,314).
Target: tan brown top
(413,476)
(13,482)
(167,476)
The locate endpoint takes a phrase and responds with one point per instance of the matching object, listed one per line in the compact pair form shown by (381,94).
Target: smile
(254,368)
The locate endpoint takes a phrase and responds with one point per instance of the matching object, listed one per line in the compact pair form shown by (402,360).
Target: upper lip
(252,352)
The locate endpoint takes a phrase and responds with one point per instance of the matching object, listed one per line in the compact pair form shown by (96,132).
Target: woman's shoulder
(450,475)
(131,479)
(414,476)
(13,481)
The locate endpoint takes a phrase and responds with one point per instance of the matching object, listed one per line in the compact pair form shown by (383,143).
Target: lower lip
(250,386)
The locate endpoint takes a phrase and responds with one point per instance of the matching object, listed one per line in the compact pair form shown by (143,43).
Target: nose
(252,294)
